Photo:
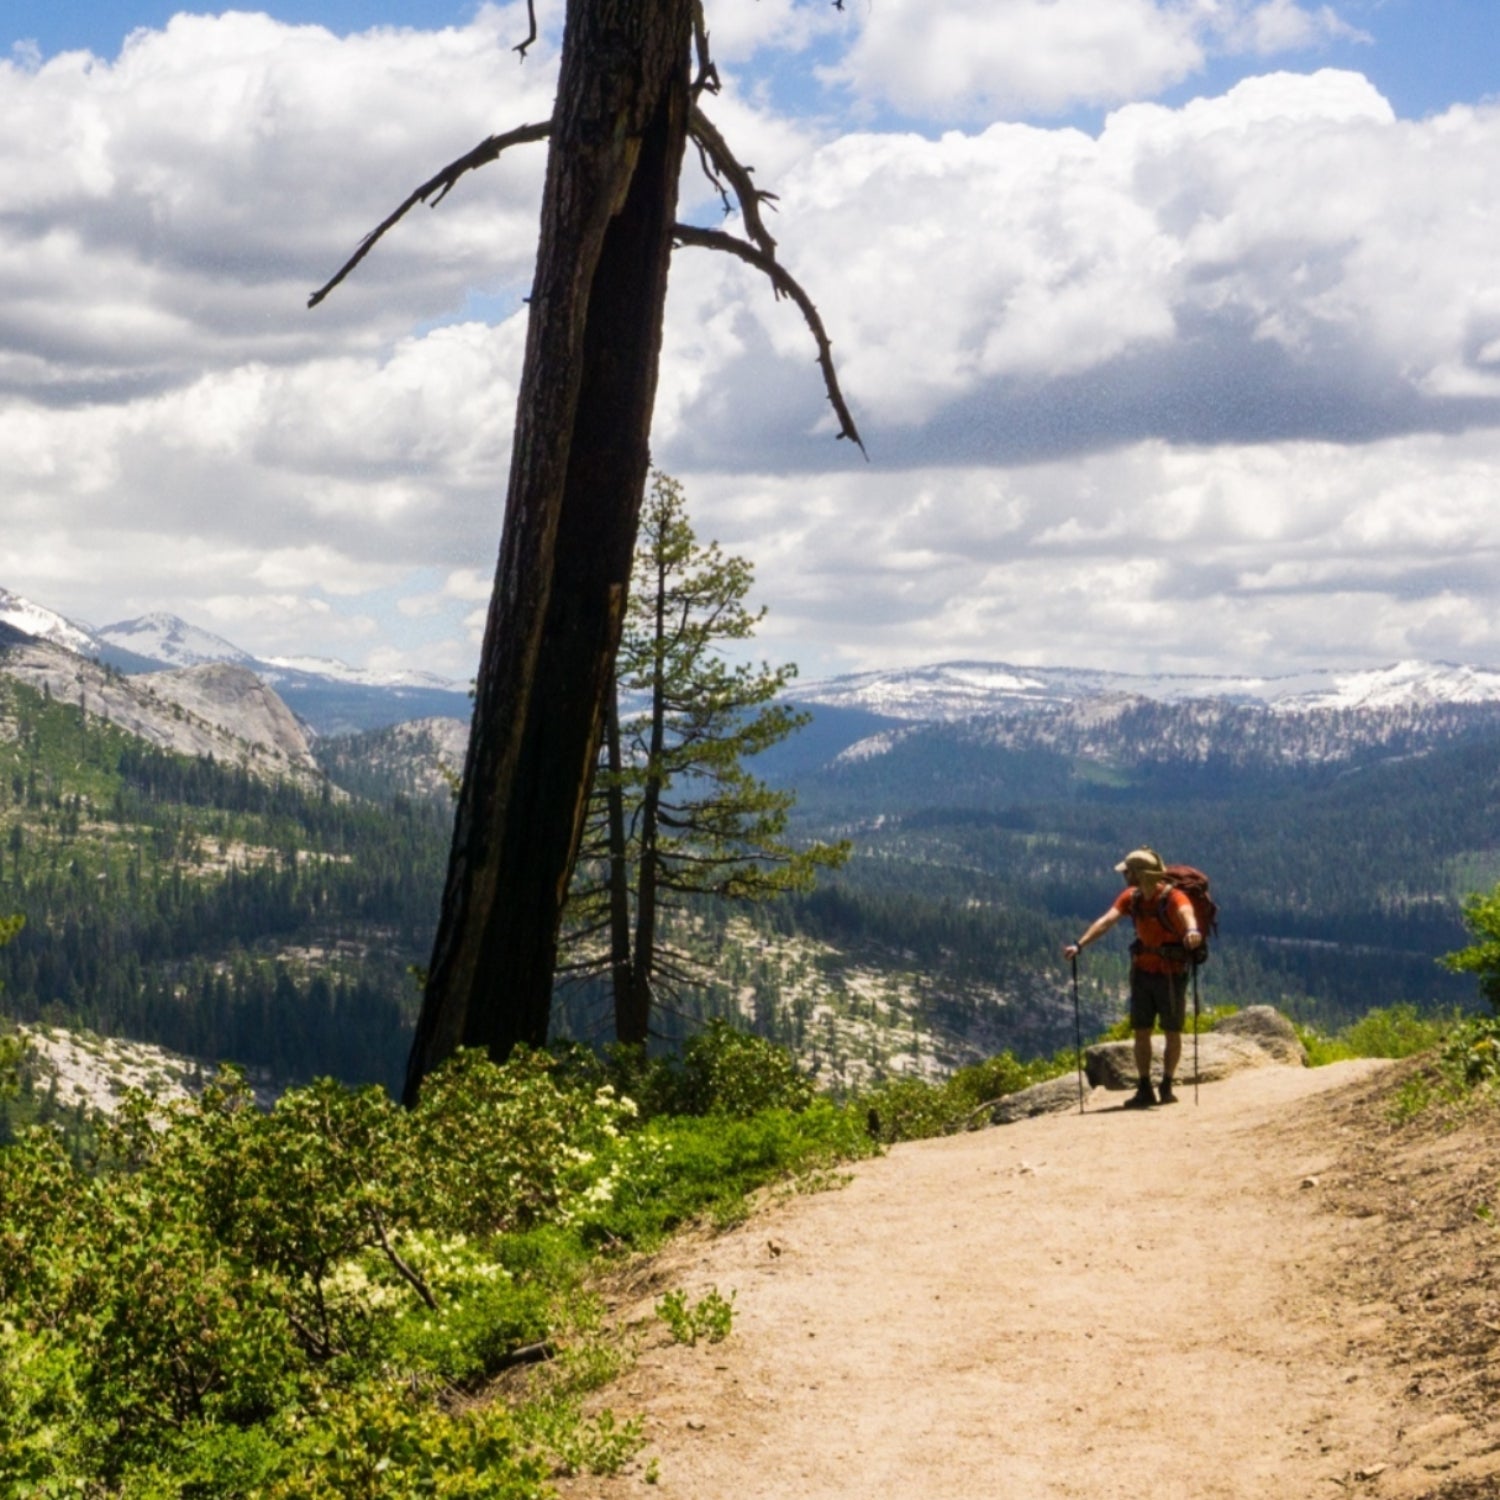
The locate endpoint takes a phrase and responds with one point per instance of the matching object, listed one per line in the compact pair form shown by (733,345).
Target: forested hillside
(1339,845)
(178,901)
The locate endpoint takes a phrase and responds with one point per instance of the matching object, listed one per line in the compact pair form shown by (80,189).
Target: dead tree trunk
(578,471)
(630,1022)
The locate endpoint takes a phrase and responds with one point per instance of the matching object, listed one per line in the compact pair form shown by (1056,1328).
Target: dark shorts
(1157,997)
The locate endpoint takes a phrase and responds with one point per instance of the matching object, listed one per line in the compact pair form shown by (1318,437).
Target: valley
(200,868)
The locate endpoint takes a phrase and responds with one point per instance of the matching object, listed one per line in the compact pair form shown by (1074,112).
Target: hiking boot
(1165,1093)
(1143,1098)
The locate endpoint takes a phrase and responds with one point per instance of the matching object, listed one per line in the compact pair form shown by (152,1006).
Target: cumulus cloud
(1011,59)
(1231,369)
(1148,557)
(1285,261)
(174,207)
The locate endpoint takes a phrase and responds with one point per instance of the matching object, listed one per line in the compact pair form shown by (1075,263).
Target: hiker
(1166,927)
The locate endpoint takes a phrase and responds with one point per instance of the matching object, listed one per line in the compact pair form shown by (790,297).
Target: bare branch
(708,74)
(521,47)
(720,162)
(486,151)
(786,285)
(391,1254)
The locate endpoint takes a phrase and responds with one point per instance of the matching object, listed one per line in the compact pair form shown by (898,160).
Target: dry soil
(1271,1293)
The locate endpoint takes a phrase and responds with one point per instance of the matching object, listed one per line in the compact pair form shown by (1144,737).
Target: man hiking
(1166,927)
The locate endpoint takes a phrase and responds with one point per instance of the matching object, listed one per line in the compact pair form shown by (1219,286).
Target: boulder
(1267,1028)
(1054,1097)
(1111,1065)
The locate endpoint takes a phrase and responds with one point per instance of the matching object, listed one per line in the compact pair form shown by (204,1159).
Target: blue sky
(1423,55)
(1173,326)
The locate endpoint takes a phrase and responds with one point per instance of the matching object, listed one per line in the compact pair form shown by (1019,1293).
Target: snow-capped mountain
(44,624)
(338,671)
(963,690)
(330,696)
(334,697)
(171,641)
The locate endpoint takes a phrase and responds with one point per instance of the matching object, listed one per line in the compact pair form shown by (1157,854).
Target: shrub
(1482,959)
(1471,1053)
(504,1147)
(907,1109)
(710,1317)
(1395,1031)
(383,1444)
(675,1169)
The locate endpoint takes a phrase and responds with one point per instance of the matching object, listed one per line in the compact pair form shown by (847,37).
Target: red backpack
(1194,885)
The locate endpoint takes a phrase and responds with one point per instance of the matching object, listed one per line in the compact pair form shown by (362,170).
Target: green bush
(231,1302)
(383,1444)
(469,1336)
(504,1148)
(729,1072)
(1471,1053)
(720,1071)
(710,1317)
(1395,1031)
(1481,959)
(908,1109)
(676,1169)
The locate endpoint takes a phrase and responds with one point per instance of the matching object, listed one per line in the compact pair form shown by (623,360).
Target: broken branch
(720,162)
(708,74)
(486,151)
(522,47)
(785,284)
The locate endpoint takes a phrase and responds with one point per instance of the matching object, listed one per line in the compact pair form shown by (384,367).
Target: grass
(1394,1031)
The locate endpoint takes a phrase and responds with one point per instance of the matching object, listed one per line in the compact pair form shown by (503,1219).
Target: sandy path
(1118,1304)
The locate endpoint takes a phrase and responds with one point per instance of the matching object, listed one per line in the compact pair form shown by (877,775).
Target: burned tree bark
(578,471)
(624,111)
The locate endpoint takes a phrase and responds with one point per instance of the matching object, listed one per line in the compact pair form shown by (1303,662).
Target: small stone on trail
(1372,1472)
(1309,1182)
(696,1424)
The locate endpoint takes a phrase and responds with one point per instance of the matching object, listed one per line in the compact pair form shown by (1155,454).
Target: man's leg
(1172,1054)
(1143,1096)
(1143,1007)
(1143,1052)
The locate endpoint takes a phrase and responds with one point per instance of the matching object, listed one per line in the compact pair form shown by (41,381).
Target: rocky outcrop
(1267,1028)
(1258,1037)
(232,698)
(1054,1097)
(221,711)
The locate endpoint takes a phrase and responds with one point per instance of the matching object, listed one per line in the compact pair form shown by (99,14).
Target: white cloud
(1280,26)
(1009,59)
(1234,558)
(738,32)
(1228,368)
(1286,260)
(174,208)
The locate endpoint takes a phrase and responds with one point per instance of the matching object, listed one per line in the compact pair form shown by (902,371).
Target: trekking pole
(1195,1035)
(1078,1033)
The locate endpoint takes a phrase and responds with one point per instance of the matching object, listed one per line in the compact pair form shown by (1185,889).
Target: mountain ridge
(966,689)
(330,696)
(217,709)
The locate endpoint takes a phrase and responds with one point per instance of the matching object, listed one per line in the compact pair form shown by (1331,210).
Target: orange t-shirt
(1152,931)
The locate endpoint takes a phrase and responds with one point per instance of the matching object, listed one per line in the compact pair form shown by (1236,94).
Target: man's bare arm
(1096,930)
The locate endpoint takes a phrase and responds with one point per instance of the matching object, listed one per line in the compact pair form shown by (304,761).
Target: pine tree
(674,813)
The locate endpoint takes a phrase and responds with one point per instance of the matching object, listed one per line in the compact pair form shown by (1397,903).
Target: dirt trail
(1118,1304)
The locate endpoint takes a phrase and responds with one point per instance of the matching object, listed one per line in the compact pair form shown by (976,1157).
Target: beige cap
(1141,862)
